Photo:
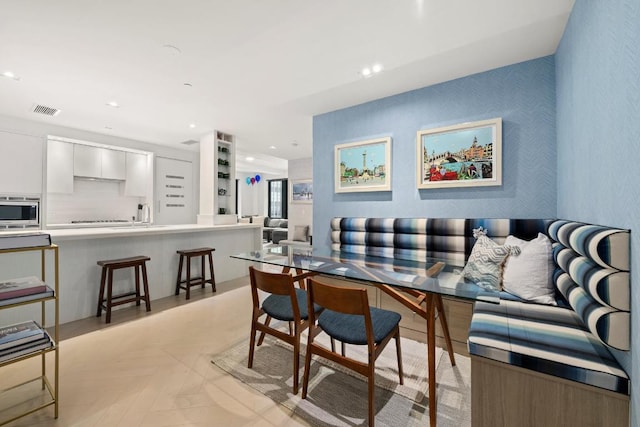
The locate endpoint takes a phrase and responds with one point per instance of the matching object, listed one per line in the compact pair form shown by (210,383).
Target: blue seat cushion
(349,328)
(546,339)
(279,306)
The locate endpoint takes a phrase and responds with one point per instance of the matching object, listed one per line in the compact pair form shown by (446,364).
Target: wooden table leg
(445,328)
(431,356)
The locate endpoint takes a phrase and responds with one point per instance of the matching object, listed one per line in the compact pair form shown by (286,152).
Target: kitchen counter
(81,248)
(137,230)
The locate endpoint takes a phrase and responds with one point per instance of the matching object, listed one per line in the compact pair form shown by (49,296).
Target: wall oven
(19,212)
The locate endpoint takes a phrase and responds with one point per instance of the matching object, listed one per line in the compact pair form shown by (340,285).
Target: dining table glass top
(432,275)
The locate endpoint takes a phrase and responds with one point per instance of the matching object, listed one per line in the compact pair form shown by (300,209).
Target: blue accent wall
(522,94)
(598,116)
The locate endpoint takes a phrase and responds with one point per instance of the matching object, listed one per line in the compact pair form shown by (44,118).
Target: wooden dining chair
(347,317)
(285,302)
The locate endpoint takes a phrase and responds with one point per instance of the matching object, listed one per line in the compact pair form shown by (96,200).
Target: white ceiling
(259,69)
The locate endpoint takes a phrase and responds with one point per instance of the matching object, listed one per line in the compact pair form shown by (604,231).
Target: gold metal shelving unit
(44,377)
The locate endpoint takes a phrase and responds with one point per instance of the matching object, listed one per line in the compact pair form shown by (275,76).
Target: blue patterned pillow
(484,266)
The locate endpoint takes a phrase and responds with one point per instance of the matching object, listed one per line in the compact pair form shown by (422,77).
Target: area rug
(338,397)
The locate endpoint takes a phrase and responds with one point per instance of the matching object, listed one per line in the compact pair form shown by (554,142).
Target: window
(278,198)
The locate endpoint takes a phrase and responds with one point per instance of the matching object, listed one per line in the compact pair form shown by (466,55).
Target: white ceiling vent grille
(189,142)
(47,111)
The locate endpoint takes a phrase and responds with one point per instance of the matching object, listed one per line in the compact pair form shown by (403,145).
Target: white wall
(253,199)
(300,213)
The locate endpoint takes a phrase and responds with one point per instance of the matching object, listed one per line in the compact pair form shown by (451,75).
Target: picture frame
(363,166)
(463,155)
(301,191)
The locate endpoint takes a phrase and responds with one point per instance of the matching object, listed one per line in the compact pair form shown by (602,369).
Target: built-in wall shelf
(224,179)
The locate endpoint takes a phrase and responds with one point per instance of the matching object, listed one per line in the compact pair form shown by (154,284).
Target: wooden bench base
(506,395)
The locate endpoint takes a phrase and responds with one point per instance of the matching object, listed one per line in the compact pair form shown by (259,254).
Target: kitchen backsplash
(91,200)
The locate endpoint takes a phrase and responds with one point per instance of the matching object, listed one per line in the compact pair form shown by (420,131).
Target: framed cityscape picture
(363,166)
(464,155)
(301,191)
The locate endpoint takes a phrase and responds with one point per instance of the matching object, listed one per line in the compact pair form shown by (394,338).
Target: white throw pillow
(529,275)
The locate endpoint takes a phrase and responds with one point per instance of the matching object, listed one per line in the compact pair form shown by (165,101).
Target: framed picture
(363,166)
(301,191)
(464,155)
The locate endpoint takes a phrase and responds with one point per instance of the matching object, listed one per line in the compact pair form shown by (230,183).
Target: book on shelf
(20,333)
(47,293)
(20,287)
(28,348)
(30,240)
(45,339)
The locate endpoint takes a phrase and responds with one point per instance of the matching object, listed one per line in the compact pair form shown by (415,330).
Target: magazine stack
(15,291)
(22,338)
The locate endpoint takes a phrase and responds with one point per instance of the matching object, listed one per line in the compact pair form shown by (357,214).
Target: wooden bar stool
(189,281)
(139,263)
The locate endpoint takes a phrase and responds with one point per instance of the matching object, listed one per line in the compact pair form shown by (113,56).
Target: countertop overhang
(107,232)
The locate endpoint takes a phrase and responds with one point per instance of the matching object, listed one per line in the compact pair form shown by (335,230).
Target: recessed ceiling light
(272,147)
(370,71)
(192,125)
(10,75)
(187,84)
(249,159)
(113,104)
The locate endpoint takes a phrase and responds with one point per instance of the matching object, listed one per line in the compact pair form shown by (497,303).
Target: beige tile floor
(153,369)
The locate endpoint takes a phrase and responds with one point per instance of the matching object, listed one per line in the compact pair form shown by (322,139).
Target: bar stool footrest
(118,299)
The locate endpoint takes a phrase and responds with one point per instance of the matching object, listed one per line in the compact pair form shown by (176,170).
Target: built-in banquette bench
(532,364)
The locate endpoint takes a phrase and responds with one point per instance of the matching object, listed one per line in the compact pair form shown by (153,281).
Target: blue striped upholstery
(593,277)
(418,238)
(569,341)
(545,339)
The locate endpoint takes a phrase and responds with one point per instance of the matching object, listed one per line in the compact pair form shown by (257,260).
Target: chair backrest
(345,300)
(273,283)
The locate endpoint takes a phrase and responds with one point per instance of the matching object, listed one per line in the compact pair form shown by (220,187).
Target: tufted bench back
(592,261)
(593,276)
(418,238)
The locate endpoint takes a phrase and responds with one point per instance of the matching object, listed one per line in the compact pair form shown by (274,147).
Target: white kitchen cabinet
(20,163)
(87,161)
(59,167)
(136,183)
(113,164)
(98,162)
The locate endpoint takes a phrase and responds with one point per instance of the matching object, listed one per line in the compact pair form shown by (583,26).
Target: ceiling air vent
(43,109)
(189,142)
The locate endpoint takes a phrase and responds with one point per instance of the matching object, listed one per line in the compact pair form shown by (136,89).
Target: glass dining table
(418,285)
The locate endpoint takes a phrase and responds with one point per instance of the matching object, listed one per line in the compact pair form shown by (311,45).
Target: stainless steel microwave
(19,212)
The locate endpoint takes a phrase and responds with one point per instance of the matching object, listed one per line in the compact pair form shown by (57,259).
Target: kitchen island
(81,248)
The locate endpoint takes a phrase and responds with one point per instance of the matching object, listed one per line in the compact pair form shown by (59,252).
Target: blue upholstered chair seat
(279,306)
(545,339)
(349,328)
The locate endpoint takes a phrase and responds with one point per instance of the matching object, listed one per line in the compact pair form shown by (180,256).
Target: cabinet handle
(159,202)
